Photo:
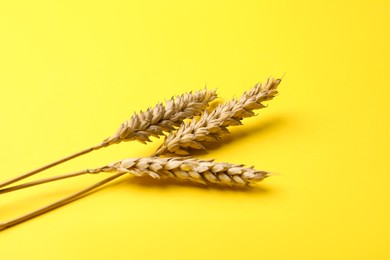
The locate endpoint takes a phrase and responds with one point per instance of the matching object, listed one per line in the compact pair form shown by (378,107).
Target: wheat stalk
(211,126)
(153,122)
(57,204)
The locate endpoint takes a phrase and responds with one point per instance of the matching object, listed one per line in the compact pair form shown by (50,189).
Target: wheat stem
(42,181)
(58,203)
(50,165)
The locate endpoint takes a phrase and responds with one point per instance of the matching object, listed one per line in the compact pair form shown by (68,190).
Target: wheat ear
(155,121)
(191,169)
(152,122)
(211,126)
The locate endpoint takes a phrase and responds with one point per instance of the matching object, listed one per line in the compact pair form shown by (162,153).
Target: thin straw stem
(42,181)
(58,203)
(50,165)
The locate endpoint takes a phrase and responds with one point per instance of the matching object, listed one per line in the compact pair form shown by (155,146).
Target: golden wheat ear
(211,126)
(153,122)
(189,169)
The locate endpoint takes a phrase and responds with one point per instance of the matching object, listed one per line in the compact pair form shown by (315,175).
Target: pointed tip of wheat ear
(277,82)
(270,84)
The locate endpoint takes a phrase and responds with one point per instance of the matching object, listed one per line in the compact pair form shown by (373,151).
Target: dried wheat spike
(210,126)
(155,121)
(196,170)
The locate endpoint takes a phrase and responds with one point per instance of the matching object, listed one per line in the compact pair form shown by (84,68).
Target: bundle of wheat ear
(173,158)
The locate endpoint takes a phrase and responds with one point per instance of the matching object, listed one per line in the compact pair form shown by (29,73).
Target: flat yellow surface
(72,71)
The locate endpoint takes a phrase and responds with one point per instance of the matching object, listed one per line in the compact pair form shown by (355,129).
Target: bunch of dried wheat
(210,126)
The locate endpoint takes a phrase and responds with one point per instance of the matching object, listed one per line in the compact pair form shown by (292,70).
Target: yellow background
(72,71)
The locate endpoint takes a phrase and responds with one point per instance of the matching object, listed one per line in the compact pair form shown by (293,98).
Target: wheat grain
(196,170)
(211,126)
(155,121)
